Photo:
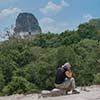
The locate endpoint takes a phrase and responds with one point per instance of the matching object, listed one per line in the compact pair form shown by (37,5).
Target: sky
(53,15)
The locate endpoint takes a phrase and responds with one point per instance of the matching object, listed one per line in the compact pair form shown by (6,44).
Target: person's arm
(68,74)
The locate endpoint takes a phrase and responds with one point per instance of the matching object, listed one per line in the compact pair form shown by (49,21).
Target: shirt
(60,76)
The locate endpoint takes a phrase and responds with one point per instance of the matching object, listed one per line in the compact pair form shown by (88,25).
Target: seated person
(64,79)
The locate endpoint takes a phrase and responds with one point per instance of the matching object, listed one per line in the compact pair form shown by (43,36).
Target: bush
(19,85)
(2,82)
(97,78)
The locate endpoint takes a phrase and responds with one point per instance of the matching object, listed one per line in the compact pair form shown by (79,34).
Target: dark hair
(65,68)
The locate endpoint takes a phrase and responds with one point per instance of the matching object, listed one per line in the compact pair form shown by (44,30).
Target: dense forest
(29,65)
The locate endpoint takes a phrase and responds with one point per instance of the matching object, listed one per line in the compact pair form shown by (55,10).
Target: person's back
(60,76)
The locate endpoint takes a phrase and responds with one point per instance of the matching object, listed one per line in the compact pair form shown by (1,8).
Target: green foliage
(2,81)
(29,65)
(87,31)
(7,66)
(19,85)
(97,78)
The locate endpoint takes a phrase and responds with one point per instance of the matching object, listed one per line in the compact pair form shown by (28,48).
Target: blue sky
(53,15)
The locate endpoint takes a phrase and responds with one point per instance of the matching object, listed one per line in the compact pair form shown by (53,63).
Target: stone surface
(26,23)
(54,92)
(93,94)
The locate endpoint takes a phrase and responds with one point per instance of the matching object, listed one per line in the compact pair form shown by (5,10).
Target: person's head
(66,66)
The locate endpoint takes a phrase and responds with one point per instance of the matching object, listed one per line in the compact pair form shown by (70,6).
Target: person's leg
(73,83)
(68,85)
(73,86)
(61,87)
(65,85)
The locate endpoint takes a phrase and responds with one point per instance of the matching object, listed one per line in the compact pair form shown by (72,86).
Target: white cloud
(49,24)
(65,3)
(47,20)
(9,12)
(87,17)
(54,8)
